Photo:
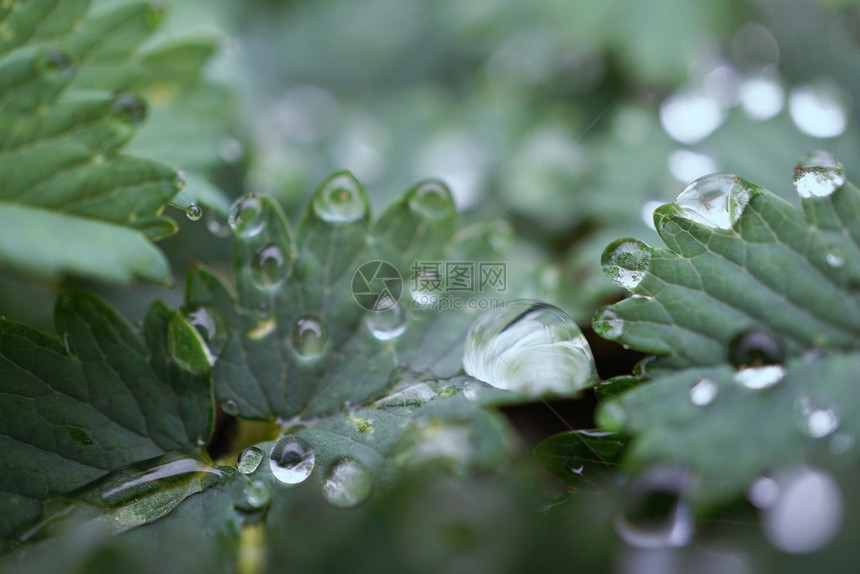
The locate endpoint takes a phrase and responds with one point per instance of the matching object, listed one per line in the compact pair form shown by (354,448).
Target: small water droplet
(129,108)
(247,217)
(818,421)
(528,346)
(194,212)
(230,407)
(626,262)
(763,492)
(835,259)
(268,267)
(210,323)
(656,515)
(818,174)
(347,483)
(55,63)
(473,390)
(340,200)
(819,110)
(264,328)
(291,460)
(716,200)
(67,343)
(608,324)
(431,200)
(807,514)
(386,325)
(249,460)
(757,355)
(258,493)
(309,337)
(412,396)
(704,392)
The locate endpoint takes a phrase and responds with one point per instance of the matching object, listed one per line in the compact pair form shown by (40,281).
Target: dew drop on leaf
(807,513)
(129,108)
(431,200)
(291,460)
(230,407)
(626,262)
(210,323)
(340,200)
(268,267)
(386,325)
(704,392)
(309,337)
(528,346)
(818,174)
(258,493)
(757,356)
(347,483)
(249,460)
(608,324)
(247,217)
(716,200)
(55,63)
(194,212)
(655,514)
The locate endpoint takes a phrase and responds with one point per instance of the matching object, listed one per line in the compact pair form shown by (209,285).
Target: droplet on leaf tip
(716,200)
(626,262)
(194,212)
(818,174)
(247,217)
(340,200)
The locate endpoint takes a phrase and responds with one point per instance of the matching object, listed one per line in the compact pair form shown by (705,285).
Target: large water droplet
(704,392)
(656,515)
(291,460)
(818,174)
(347,483)
(269,267)
(528,346)
(819,110)
(386,325)
(626,262)
(247,217)
(194,212)
(249,460)
(129,108)
(715,200)
(309,337)
(757,355)
(431,200)
(807,514)
(340,200)
(211,325)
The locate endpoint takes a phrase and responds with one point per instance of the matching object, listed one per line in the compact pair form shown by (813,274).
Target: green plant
(283,380)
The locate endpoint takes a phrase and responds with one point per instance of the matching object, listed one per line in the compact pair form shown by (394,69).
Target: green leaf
(578,456)
(753,314)
(293,343)
(96,400)
(66,117)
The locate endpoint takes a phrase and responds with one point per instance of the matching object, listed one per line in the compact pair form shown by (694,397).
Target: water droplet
(55,63)
(258,493)
(431,200)
(818,421)
(347,483)
(67,344)
(763,492)
(757,378)
(291,460)
(626,262)
(608,324)
(715,200)
(807,514)
(473,390)
(264,328)
(268,267)
(247,217)
(704,392)
(230,407)
(818,174)
(211,325)
(129,108)
(386,325)
(309,337)
(819,110)
(691,117)
(656,515)
(340,200)
(413,396)
(757,356)
(528,346)
(131,483)
(834,259)
(249,460)
(194,212)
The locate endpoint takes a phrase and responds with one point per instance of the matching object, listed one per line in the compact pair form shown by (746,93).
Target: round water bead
(291,460)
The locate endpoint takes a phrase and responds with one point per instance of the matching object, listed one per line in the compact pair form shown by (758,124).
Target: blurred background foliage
(568,119)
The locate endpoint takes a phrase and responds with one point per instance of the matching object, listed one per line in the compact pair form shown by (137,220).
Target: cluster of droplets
(528,347)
